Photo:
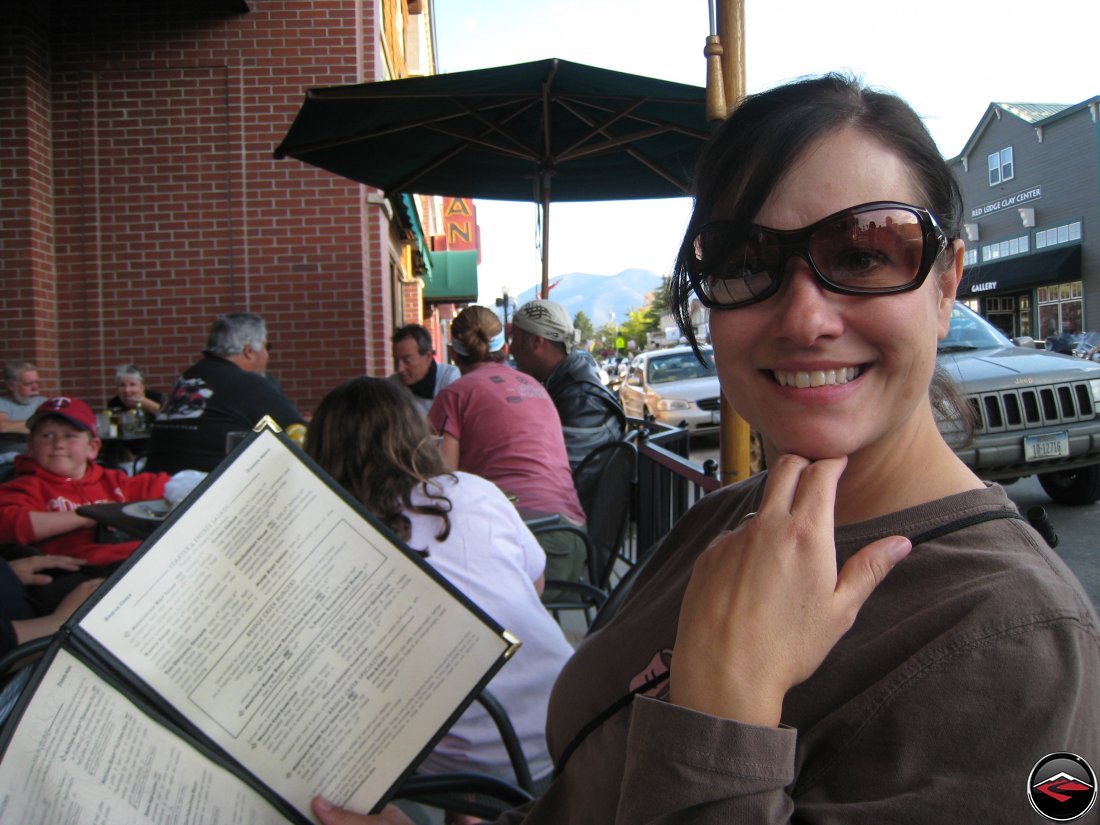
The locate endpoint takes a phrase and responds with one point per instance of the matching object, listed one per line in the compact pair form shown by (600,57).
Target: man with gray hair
(227,391)
(19,402)
(543,341)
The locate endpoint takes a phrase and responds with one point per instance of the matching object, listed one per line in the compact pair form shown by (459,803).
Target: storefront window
(1006,248)
(1059,308)
(1001,312)
(1024,307)
(1066,233)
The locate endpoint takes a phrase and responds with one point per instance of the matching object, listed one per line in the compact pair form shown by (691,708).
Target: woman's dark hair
(471,332)
(760,140)
(369,435)
(418,333)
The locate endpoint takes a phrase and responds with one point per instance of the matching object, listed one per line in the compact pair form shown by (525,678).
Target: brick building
(141,196)
(1030,176)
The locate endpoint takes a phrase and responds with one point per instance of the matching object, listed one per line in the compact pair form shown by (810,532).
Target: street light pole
(504,303)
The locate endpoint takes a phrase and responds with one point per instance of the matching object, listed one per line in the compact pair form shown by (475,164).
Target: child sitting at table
(56,475)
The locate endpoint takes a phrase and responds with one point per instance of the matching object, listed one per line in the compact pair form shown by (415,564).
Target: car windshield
(969,331)
(680,366)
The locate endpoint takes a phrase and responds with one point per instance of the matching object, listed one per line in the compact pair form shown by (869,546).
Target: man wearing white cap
(543,342)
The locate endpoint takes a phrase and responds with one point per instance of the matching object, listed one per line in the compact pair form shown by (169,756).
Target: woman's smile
(803,379)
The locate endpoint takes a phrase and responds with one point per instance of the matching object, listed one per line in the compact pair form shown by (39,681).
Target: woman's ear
(949,279)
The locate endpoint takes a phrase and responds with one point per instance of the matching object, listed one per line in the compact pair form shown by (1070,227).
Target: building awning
(453,278)
(1013,274)
(409,217)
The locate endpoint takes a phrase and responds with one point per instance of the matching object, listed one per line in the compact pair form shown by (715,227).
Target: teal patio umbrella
(544,131)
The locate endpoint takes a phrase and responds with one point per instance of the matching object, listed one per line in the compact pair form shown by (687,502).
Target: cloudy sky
(948,59)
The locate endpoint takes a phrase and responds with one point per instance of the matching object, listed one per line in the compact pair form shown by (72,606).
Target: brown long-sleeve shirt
(976,657)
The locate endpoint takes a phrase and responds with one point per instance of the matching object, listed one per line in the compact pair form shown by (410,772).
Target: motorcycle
(1088,346)
(1064,343)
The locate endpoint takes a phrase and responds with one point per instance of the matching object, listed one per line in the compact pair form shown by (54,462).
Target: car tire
(1080,486)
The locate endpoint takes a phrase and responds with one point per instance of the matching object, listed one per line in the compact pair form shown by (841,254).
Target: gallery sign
(1019,199)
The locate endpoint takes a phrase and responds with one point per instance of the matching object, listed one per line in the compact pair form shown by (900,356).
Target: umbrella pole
(545,292)
(726,48)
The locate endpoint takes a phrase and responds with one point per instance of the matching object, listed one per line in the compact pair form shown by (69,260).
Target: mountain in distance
(598,296)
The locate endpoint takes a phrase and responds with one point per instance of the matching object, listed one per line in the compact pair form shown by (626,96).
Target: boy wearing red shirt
(56,475)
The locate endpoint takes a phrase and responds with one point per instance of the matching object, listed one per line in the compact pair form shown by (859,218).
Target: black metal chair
(16,666)
(560,595)
(477,794)
(606,480)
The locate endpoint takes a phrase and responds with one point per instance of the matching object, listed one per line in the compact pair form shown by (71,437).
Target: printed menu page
(84,753)
(294,634)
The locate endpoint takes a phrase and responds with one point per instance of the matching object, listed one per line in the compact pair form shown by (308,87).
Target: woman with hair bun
(500,424)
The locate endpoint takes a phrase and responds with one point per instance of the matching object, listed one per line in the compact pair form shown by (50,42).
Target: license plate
(1042,447)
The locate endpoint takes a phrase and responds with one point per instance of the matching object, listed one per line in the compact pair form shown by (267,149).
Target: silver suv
(1036,410)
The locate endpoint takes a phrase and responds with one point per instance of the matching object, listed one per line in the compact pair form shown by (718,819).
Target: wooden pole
(734,436)
(716,88)
(544,293)
(731,30)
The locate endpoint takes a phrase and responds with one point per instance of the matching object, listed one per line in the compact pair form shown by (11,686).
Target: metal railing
(669,483)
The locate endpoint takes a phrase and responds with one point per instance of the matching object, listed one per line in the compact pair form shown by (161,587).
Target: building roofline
(1019,111)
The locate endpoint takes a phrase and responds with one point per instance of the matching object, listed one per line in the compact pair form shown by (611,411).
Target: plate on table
(154,510)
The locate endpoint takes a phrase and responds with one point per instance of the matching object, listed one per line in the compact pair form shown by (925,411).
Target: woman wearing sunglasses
(770,663)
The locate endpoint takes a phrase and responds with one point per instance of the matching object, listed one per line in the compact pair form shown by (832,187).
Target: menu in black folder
(268,643)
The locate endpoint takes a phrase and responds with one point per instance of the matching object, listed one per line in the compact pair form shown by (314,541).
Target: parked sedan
(1037,411)
(674,388)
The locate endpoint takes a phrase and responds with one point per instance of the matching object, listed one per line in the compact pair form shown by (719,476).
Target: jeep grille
(1032,407)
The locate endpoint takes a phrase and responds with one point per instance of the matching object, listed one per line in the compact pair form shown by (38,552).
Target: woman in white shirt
(368,435)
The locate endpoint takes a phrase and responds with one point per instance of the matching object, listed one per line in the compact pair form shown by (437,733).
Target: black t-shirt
(211,399)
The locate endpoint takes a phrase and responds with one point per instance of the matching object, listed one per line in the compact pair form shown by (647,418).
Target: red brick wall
(170,208)
(26,234)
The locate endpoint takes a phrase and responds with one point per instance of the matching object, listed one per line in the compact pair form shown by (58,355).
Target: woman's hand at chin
(765,603)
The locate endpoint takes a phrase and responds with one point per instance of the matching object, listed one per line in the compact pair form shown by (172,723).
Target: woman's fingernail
(322,804)
(899,549)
